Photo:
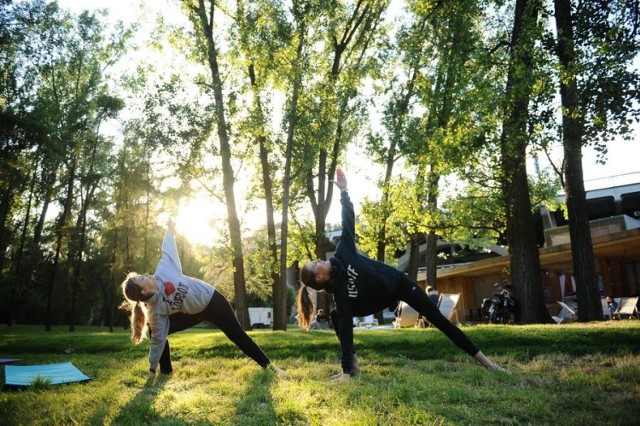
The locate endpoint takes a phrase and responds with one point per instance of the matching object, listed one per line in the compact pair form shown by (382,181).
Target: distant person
(363,286)
(169,301)
(613,306)
(433,295)
(421,322)
(321,322)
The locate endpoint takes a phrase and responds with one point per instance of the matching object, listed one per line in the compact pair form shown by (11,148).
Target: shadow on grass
(256,406)
(140,409)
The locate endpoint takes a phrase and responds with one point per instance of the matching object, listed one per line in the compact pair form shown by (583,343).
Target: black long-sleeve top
(356,281)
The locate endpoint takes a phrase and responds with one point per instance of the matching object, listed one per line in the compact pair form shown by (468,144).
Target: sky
(622,161)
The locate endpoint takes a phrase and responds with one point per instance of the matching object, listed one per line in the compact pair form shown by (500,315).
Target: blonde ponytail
(137,318)
(137,324)
(305,307)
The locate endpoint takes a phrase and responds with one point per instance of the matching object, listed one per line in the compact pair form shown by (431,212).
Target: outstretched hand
(341,180)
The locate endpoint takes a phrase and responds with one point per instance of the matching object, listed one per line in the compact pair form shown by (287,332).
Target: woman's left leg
(409,292)
(220,313)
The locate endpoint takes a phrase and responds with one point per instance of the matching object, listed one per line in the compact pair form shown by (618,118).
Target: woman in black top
(362,286)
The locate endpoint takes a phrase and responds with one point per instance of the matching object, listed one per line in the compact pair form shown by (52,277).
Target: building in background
(614,215)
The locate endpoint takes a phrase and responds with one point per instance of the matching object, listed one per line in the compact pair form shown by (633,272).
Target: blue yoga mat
(55,374)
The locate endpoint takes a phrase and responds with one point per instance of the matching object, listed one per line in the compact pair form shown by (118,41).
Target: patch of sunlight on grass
(590,372)
(189,404)
(355,417)
(548,362)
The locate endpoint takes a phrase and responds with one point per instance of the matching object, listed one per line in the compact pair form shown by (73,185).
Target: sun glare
(196,219)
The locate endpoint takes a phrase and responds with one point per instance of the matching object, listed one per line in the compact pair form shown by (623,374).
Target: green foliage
(40,383)
(56,75)
(402,215)
(607,43)
(301,240)
(437,75)
(475,216)
(216,268)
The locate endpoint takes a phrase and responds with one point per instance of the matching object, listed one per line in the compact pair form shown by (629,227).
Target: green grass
(575,374)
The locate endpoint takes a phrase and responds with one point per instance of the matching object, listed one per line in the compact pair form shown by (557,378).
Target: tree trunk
(414,257)
(292,123)
(228,178)
(320,207)
(21,255)
(80,246)
(279,295)
(35,252)
(432,239)
(6,202)
(280,316)
(589,304)
(146,262)
(400,114)
(524,256)
(111,289)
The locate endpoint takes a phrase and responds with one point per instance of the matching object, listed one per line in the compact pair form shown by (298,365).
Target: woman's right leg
(165,359)
(220,313)
(177,322)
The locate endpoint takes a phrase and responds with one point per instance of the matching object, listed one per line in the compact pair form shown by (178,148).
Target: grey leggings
(220,314)
(414,296)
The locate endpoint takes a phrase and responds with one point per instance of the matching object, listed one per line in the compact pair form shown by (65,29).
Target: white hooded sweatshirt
(175,293)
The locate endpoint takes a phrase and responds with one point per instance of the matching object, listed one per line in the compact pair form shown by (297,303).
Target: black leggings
(220,314)
(415,297)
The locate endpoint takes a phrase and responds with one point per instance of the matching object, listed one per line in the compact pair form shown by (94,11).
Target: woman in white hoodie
(169,301)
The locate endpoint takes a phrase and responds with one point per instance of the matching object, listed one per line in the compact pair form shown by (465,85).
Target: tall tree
(386,147)
(330,111)
(23,136)
(95,166)
(299,11)
(203,14)
(446,124)
(62,68)
(263,43)
(437,141)
(595,101)
(523,250)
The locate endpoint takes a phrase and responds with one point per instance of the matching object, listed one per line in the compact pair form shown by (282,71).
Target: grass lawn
(574,374)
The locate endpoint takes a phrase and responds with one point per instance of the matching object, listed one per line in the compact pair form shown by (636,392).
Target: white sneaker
(277,370)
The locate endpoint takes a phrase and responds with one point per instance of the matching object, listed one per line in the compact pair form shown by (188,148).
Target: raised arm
(348,216)
(170,256)
(340,181)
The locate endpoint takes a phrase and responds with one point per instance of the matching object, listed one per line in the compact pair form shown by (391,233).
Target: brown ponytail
(305,307)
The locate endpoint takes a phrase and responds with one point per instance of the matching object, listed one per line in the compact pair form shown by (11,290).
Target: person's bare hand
(341,180)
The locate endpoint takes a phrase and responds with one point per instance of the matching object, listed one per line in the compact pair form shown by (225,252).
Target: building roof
(624,245)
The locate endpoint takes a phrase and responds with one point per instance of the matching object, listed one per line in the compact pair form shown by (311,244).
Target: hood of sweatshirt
(336,276)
